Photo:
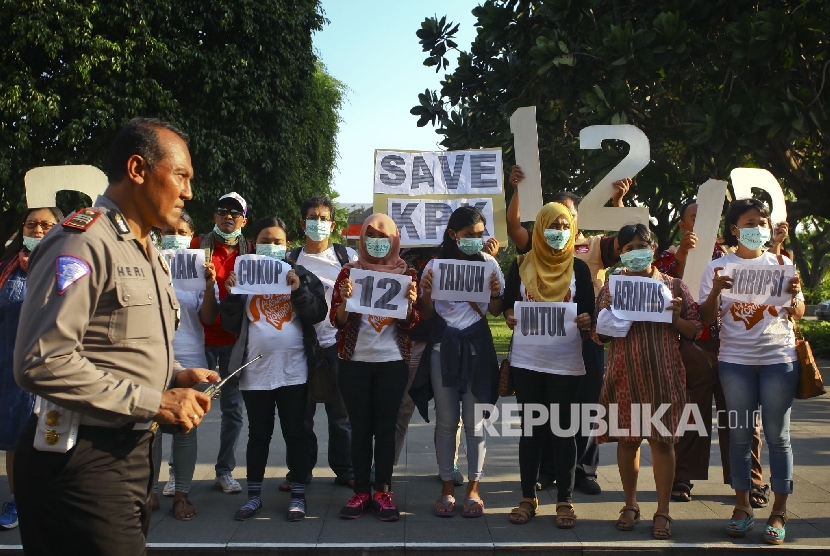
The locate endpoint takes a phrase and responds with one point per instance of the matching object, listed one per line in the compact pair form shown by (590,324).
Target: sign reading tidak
(640,299)
(420,190)
(759,284)
(379,293)
(455,280)
(260,274)
(187,268)
(546,324)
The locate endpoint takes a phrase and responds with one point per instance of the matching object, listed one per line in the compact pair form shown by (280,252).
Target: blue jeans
(773,386)
(230,402)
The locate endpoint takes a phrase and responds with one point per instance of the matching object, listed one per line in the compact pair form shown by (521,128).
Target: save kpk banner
(640,299)
(187,268)
(759,284)
(378,293)
(257,274)
(456,280)
(420,190)
(546,324)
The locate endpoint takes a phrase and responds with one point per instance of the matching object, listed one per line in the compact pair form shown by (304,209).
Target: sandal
(521,515)
(447,503)
(183,509)
(737,528)
(759,496)
(681,491)
(661,533)
(565,516)
(285,486)
(473,507)
(776,535)
(625,523)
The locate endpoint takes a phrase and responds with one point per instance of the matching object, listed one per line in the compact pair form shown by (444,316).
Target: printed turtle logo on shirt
(378,323)
(277,309)
(750,313)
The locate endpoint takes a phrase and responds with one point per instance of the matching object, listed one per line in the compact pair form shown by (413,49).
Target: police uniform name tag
(260,274)
(546,324)
(379,293)
(187,268)
(57,427)
(456,280)
(758,284)
(640,299)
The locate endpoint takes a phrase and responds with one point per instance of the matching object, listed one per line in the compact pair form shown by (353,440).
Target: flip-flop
(471,504)
(448,503)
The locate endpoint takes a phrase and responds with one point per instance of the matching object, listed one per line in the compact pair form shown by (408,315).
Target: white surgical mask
(754,238)
(227,237)
(31,242)
(271,250)
(637,260)
(557,239)
(317,230)
(175,242)
(378,247)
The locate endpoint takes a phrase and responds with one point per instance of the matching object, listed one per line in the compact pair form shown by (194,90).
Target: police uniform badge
(82,219)
(69,270)
(118,221)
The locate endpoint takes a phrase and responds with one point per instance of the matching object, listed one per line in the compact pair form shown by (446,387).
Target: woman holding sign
(548,280)
(374,353)
(757,296)
(281,328)
(462,366)
(645,368)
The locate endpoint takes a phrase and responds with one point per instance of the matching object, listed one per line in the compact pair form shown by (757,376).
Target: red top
(223,260)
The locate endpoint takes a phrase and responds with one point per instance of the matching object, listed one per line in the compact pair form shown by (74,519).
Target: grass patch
(501,334)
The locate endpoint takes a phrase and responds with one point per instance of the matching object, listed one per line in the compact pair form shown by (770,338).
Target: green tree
(239,76)
(714,84)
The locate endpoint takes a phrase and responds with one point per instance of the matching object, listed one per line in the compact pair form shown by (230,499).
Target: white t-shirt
(326,267)
(377,340)
(460,314)
(556,360)
(275,332)
(189,340)
(751,334)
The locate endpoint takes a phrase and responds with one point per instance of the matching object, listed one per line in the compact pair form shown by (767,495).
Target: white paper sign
(710,198)
(423,221)
(474,172)
(455,280)
(44,182)
(379,293)
(759,284)
(546,324)
(640,299)
(260,274)
(526,146)
(611,326)
(187,268)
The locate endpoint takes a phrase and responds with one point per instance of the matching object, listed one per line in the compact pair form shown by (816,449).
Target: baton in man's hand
(213,389)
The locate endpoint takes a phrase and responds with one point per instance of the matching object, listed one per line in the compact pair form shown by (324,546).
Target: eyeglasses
(224,212)
(317,217)
(32,225)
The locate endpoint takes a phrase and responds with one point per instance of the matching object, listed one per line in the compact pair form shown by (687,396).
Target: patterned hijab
(546,273)
(392,262)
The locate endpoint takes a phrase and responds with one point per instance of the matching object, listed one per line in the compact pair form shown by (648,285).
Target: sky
(371,46)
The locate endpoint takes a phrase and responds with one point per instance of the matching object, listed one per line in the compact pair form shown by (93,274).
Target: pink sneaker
(384,505)
(355,506)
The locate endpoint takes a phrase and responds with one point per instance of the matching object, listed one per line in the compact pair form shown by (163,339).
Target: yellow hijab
(547,274)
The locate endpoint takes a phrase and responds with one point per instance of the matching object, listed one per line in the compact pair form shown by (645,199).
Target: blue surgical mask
(557,239)
(227,237)
(377,247)
(175,242)
(637,260)
(470,245)
(317,230)
(31,242)
(754,238)
(271,250)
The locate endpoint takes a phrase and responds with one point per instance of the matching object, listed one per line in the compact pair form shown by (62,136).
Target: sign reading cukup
(260,274)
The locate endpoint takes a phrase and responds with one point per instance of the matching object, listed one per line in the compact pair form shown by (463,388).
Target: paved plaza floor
(698,525)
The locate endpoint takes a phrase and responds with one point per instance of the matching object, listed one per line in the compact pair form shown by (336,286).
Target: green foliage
(818,293)
(239,76)
(714,84)
(501,334)
(818,334)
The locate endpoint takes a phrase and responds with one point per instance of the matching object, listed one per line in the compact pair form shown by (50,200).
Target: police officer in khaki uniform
(95,338)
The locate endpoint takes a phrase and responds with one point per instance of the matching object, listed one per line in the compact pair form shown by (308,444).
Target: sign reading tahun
(260,274)
(640,299)
(455,280)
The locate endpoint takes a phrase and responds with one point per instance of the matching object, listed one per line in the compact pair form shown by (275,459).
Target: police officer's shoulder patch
(82,219)
(118,221)
(68,270)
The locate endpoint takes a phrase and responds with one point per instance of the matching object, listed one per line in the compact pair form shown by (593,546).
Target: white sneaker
(169,488)
(228,483)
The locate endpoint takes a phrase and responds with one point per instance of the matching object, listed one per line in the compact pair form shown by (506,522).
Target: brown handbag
(810,383)
(701,366)
(505,378)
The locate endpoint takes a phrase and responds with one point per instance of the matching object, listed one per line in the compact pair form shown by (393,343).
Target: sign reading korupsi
(187,268)
(759,284)
(379,293)
(455,280)
(640,299)
(545,324)
(260,274)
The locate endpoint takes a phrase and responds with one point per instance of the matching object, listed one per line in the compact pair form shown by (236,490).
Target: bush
(817,294)
(818,334)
